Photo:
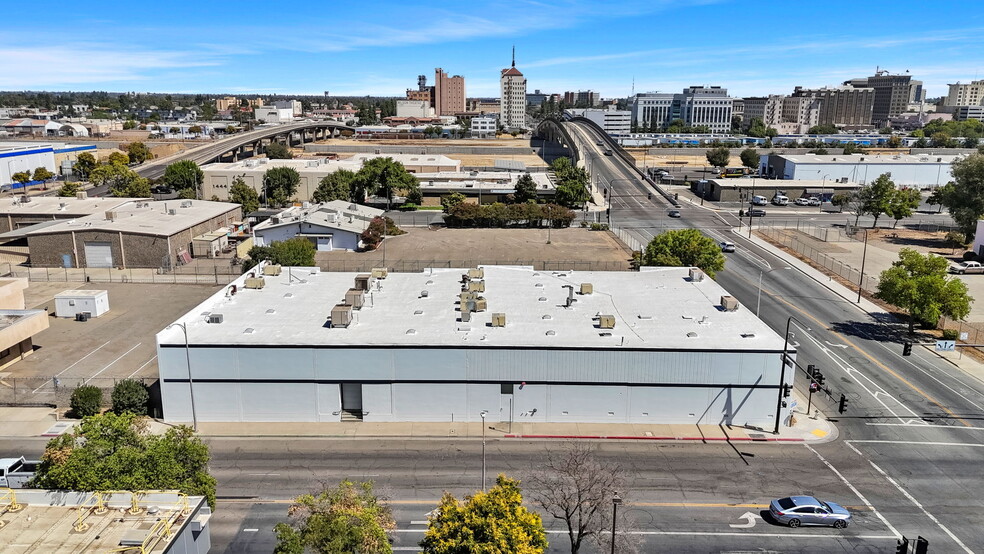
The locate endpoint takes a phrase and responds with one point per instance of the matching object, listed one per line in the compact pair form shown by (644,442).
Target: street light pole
(616,500)
(483,414)
(191,383)
(782,372)
(822,184)
(864,255)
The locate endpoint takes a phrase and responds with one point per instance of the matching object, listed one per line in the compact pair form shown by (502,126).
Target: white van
(780,200)
(759,201)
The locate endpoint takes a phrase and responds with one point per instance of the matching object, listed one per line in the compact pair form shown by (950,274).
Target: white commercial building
(295,106)
(273,114)
(612,121)
(483,126)
(696,106)
(921,170)
(662,345)
(414,108)
(334,225)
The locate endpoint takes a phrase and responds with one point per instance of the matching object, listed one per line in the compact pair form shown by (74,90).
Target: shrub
(409,207)
(86,401)
(950,334)
(599,226)
(130,395)
(956,238)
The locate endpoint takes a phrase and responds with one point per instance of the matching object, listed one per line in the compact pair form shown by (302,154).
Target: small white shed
(73,302)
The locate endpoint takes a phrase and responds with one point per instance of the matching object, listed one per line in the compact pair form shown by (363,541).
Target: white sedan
(802,202)
(727,246)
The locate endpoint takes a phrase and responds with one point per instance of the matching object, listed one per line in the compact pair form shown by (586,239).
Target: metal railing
(819,259)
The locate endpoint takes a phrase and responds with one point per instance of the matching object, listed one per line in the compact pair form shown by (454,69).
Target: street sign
(964,336)
(945,345)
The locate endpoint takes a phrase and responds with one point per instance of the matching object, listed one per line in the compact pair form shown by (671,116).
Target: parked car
(755,212)
(807,510)
(727,246)
(967,267)
(673,213)
(759,201)
(608,152)
(814,201)
(780,200)
(802,201)
(16,472)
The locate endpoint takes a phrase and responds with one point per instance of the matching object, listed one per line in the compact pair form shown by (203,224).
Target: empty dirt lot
(420,248)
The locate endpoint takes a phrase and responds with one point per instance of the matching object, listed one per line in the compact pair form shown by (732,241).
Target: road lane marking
(71,366)
(113,362)
(873,360)
(909,443)
(924,424)
(749,518)
(915,502)
(141,367)
(715,534)
(855,491)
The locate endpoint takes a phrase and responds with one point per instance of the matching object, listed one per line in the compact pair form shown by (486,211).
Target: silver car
(806,510)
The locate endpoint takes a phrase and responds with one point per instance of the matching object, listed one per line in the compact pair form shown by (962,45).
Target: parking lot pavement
(116,345)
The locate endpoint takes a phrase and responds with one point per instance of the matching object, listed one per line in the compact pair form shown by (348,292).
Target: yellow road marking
(866,355)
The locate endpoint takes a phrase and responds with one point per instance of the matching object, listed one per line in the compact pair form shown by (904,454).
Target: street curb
(629,437)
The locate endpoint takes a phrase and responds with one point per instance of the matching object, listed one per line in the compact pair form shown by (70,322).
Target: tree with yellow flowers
(493,522)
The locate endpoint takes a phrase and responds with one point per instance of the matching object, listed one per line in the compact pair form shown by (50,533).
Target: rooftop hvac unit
(81,195)
(255,283)
(379,272)
(111,215)
(341,315)
(476,273)
(25,199)
(362,281)
(62,205)
(481,304)
(498,320)
(274,219)
(606,322)
(696,275)
(186,203)
(215,318)
(465,316)
(172,211)
(355,298)
(466,297)
(729,303)
(272,269)
(476,286)
(587,288)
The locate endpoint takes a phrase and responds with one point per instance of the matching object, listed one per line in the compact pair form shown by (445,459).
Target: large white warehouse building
(906,170)
(663,345)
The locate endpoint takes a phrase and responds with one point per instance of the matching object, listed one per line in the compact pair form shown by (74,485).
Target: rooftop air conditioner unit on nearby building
(606,322)
(476,286)
(476,273)
(587,288)
(111,215)
(186,204)
(355,298)
(696,275)
(498,320)
(729,303)
(363,281)
(341,316)
(379,272)
(255,283)
(215,318)
(172,211)
(272,269)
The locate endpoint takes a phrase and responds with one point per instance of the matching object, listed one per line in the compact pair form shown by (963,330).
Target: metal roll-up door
(98,254)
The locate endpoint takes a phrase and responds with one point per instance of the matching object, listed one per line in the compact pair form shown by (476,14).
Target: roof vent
(289,295)
(542,299)
(411,331)
(248,331)
(748,335)
(418,312)
(424,294)
(692,335)
(172,211)
(547,316)
(604,334)
(645,316)
(271,311)
(498,320)
(551,333)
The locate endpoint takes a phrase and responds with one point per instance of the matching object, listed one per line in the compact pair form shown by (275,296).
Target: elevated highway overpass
(247,144)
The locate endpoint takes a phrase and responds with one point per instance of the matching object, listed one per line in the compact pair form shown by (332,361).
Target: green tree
(756,127)
(278,151)
(493,522)
(118,158)
(348,518)
(129,124)
(451,201)
(121,180)
(115,452)
(826,129)
(184,175)
(42,174)
(22,177)
(841,200)
(525,189)
(383,177)
(965,200)
(719,156)
(852,148)
(280,184)
(195,129)
(130,395)
(876,198)
(940,140)
(86,401)
(69,189)
(295,252)
(750,158)
(138,152)
(372,236)
(686,248)
(921,143)
(894,141)
(571,183)
(84,165)
(919,285)
(902,205)
(334,186)
(244,195)
(939,193)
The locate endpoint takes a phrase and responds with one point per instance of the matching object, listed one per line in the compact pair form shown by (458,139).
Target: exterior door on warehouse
(98,254)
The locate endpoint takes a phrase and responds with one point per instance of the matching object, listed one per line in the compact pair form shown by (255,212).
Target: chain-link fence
(56,391)
(630,241)
(819,259)
(822,232)
(217,274)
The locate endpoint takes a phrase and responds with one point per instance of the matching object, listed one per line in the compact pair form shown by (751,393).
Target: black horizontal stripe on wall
(475,382)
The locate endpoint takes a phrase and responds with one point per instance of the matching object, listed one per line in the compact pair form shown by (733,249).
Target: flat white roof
(324,165)
(854,159)
(50,205)
(80,293)
(336,214)
(145,217)
(657,308)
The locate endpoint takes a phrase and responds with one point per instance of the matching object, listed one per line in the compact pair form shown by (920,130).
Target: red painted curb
(620,437)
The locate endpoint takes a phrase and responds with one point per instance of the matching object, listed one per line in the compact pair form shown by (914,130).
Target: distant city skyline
(353,50)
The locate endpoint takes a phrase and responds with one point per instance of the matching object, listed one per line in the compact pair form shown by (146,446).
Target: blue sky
(752,47)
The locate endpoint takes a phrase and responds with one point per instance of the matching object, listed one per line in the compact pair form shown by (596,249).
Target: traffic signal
(843,405)
(786,390)
(907,348)
(819,378)
(902,547)
(811,370)
(922,546)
